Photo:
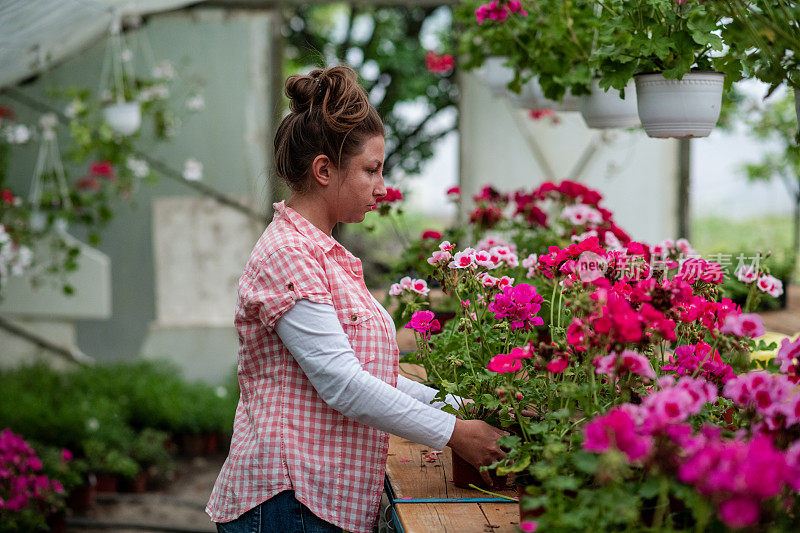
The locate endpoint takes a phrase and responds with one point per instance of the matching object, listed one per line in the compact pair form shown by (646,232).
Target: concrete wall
(636,174)
(229,53)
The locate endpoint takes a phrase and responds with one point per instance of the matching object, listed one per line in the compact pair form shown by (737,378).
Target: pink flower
(103,169)
(424,322)
(558,365)
(688,358)
(528,526)
(7,196)
(420,286)
(493,11)
(746,325)
(66,455)
(739,512)
(445,246)
(438,257)
(431,234)
(616,429)
(519,304)
(504,363)
(454,193)
(630,361)
(746,273)
(463,259)
(770,285)
(439,64)
(484,259)
(788,354)
(392,195)
(538,114)
(504,282)
(487,280)
(395,290)
(515,6)
(580,214)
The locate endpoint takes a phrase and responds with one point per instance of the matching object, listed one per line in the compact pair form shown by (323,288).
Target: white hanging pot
(683,108)
(532,97)
(38,221)
(497,75)
(124,118)
(605,109)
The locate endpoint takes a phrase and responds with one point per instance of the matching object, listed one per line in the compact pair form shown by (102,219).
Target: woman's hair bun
(333,92)
(330,114)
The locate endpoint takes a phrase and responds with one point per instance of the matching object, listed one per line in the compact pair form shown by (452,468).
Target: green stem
(494,493)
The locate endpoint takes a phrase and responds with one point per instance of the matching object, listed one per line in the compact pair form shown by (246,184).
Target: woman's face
(361,183)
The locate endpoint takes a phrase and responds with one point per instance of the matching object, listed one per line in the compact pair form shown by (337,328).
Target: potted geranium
(667,47)
(547,47)
(764,41)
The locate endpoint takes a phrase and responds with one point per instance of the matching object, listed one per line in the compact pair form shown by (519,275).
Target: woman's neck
(314,210)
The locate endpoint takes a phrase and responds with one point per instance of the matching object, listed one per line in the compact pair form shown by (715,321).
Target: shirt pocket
(359,324)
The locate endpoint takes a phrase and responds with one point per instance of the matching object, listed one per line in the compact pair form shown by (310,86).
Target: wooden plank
(502,517)
(415,472)
(458,517)
(442,518)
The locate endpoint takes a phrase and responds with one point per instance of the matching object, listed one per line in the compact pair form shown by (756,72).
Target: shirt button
(354,318)
(290,286)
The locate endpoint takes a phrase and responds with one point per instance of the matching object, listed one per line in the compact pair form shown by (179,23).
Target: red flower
(7,196)
(103,169)
(392,195)
(539,114)
(439,64)
(430,234)
(7,112)
(88,183)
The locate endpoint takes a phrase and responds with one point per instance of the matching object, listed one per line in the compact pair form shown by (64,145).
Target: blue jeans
(280,514)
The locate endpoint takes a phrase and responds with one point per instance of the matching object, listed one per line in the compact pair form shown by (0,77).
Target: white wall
(636,175)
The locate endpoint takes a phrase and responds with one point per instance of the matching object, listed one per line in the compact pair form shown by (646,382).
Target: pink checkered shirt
(285,437)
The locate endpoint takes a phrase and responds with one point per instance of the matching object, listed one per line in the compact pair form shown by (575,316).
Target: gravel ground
(179,508)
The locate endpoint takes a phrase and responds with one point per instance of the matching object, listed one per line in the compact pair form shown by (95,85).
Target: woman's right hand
(475,442)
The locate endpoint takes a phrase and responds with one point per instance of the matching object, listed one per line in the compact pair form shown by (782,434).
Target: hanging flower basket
(497,75)
(605,109)
(532,97)
(682,109)
(125,118)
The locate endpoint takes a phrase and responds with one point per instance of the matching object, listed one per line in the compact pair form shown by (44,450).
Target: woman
(318,358)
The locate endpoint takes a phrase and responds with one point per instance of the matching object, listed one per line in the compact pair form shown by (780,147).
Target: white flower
(420,286)
(4,237)
(92,424)
(156,92)
(196,103)
(746,274)
(164,70)
(139,167)
(221,391)
(127,55)
(48,121)
(395,290)
(192,170)
(73,108)
(19,134)
(580,214)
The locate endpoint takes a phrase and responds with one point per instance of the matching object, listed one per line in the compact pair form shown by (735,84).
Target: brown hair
(329,114)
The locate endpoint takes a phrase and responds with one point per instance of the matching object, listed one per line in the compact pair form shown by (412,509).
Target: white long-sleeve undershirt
(314,336)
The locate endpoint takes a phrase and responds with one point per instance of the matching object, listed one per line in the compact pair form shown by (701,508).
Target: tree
(384,45)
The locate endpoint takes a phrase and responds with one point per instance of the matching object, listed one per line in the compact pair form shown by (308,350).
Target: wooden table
(426,501)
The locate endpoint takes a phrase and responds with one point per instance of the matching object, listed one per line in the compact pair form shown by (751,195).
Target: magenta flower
(424,322)
(616,429)
(519,304)
(788,354)
(504,363)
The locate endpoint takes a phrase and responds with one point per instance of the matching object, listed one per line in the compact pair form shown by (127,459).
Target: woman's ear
(322,170)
